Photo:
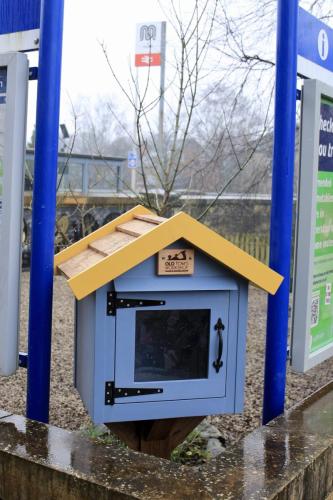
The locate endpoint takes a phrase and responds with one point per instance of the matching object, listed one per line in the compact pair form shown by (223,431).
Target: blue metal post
(282,207)
(44,209)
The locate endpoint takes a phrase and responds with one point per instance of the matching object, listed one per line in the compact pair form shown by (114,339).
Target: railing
(84,175)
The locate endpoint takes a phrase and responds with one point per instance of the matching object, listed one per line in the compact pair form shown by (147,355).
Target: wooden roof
(138,234)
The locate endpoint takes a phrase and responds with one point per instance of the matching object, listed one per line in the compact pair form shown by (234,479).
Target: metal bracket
(114,303)
(112,392)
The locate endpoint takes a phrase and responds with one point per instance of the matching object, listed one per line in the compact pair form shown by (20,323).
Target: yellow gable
(138,234)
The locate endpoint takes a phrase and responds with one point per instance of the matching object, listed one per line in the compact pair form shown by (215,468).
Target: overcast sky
(86,24)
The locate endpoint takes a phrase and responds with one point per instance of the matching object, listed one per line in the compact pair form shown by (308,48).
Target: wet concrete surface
(291,458)
(110,472)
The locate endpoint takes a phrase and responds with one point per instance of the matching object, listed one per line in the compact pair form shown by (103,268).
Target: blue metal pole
(282,207)
(44,209)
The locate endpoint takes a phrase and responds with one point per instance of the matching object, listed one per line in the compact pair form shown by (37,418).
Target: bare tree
(194,152)
(80,222)
(161,165)
(218,99)
(247,32)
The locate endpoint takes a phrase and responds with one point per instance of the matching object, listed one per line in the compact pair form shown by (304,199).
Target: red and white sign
(147,59)
(148,47)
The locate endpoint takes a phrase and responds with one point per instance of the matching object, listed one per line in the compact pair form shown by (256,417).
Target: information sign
(13,104)
(313,300)
(322,303)
(315,48)
(19,25)
(150,38)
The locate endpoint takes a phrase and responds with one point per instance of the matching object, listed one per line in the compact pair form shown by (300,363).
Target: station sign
(150,38)
(315,48)
(14,71)
(312,338)
(19,26)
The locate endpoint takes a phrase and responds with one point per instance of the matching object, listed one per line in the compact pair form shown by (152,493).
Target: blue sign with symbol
(19,15)
(132,159)
(315,48)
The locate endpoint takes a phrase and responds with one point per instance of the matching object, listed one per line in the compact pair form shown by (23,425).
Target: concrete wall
(289,459)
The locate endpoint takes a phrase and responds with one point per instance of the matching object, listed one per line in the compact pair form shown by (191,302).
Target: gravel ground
(67,409)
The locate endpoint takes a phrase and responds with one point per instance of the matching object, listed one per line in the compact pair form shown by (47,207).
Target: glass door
(177,350)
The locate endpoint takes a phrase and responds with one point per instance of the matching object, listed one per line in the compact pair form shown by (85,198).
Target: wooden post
(155,437)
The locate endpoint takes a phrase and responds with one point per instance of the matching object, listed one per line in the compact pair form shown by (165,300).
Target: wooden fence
(255,245)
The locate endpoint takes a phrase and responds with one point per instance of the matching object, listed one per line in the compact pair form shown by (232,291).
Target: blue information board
(19,15)
(315,48)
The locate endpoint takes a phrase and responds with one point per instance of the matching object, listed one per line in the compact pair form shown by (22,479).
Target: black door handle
(219,327)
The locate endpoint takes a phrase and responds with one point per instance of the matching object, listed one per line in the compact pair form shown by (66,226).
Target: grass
(98,434)
(191,452)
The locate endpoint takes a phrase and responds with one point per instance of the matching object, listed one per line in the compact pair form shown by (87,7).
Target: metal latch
(114,303)
(112,392)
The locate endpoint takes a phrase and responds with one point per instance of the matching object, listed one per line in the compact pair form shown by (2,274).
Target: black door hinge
(112,392)
(114,303)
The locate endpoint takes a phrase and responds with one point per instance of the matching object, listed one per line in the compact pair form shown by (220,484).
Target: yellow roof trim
(82,245)
(230,255)
(148,244)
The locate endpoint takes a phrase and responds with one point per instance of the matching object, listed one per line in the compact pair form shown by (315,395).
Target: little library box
(161,315)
